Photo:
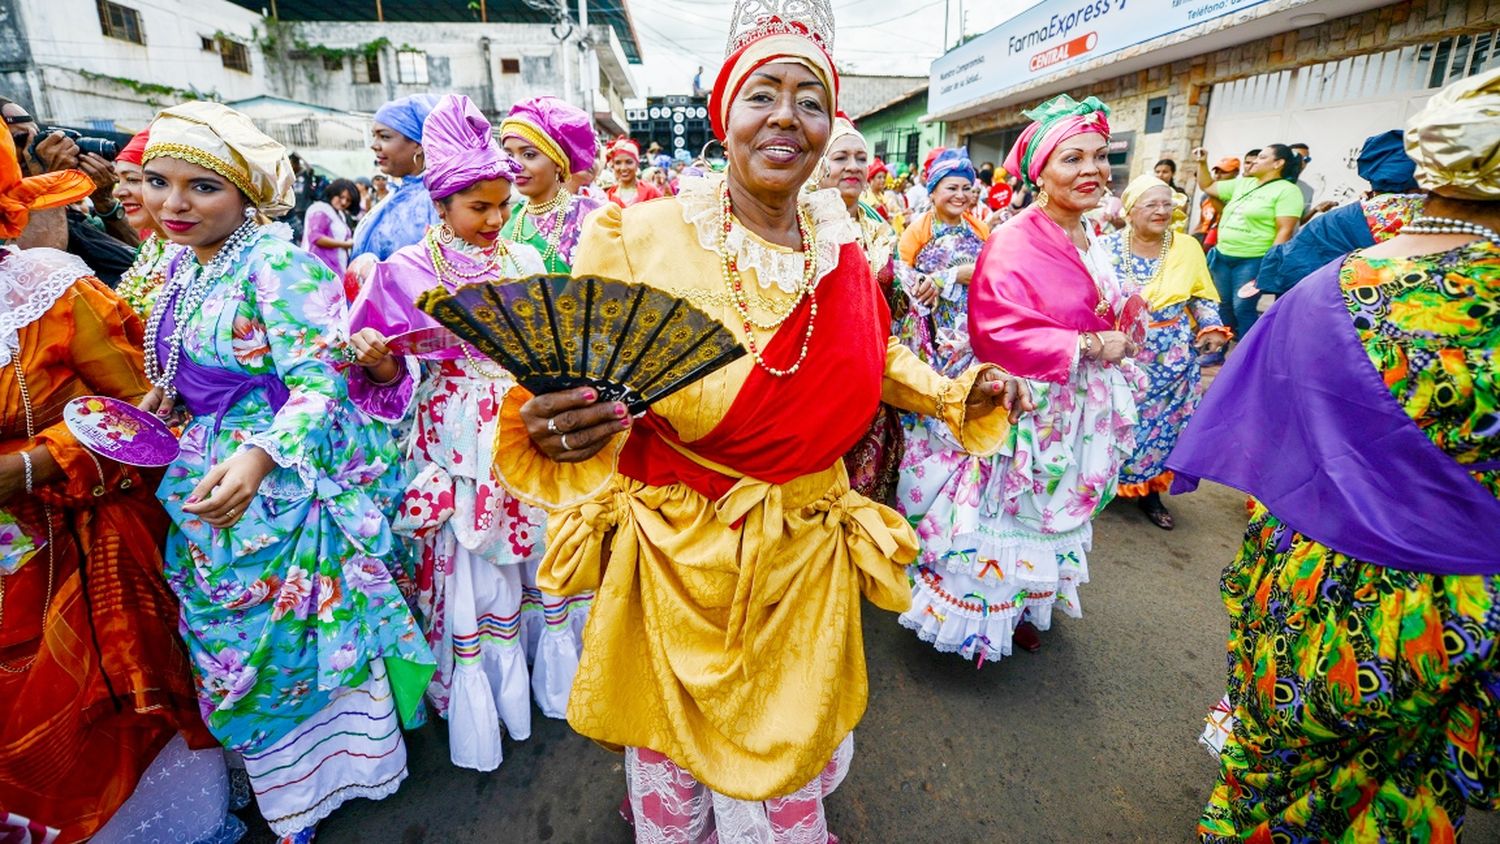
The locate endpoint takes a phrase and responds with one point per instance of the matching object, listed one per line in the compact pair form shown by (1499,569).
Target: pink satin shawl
(1030,298)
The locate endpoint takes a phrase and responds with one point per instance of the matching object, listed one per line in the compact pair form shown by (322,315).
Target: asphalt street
(1092,739)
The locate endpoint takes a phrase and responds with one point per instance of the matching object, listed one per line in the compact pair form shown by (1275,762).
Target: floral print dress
(472,540)
(1174,383)
(1006,537)
(1363,699)
(298,635)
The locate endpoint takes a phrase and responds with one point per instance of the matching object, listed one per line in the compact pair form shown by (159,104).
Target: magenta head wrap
(563,133)
(1053,122)
(461,149)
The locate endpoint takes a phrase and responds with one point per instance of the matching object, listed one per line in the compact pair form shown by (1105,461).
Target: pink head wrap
(460,148)
(1053,122)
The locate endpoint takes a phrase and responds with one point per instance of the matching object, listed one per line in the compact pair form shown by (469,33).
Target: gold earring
(1042,198)
(446,235)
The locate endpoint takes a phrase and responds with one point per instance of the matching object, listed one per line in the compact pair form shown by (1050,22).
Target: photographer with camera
(108,250)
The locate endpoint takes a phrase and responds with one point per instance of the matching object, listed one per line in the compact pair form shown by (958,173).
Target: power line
(905,14)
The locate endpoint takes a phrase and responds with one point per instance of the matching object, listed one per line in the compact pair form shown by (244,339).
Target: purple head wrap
(407,114)
(562,132)
(461,149)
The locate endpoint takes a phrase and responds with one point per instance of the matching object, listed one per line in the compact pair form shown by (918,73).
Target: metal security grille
(1406,70)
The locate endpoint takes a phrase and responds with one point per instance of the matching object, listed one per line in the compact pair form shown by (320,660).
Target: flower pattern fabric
(295,600)
(1174,384)
(1365,698)
(1006,537)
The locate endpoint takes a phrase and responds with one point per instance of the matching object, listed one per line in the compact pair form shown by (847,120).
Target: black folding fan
(633,343)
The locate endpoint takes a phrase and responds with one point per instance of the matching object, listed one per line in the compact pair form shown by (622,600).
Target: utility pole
(946,5)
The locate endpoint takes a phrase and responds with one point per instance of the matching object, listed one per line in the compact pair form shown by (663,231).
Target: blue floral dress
(1175,384)
(297,633)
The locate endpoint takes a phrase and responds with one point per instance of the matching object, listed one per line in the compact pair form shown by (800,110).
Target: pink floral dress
(1008,536)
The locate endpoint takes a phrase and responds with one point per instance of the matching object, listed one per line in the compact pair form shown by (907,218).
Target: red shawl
(1030,298)
(779,429)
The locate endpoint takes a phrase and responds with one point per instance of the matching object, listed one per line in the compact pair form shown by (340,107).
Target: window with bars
(120,22)
(367,69)
(411,67)
(234,55)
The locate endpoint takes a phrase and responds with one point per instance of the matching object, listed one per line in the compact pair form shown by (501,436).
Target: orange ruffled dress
(109,685)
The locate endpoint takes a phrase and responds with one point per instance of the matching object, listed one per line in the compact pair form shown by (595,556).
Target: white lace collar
(31,282)
(774,265)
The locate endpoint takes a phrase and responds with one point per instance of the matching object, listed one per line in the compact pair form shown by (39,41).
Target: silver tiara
(755,19)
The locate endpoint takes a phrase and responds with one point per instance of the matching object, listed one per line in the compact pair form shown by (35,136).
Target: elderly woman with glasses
(1172,275)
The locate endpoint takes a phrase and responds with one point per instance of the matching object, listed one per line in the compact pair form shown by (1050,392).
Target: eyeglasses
(1164,205)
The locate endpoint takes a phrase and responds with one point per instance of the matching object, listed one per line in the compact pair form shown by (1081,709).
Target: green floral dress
(295,601)
(1367,699)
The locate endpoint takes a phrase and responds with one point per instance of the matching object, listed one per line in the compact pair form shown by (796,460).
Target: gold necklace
(490,268)
(729,267)
(556,206)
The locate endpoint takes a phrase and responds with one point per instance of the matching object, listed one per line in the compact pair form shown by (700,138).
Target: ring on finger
(552,425)
(564,439)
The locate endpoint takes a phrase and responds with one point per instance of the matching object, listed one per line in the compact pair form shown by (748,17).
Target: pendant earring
(1042,198)
(445,234)
(250,213)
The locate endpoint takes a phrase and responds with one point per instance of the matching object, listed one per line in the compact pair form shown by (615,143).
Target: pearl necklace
(1449,225)
(184,293)
(490,268)
(558,207)
(1128,265)
(729,268)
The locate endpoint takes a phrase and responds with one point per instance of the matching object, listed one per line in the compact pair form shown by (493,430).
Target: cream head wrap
(842,128)
(1138,186)
(1455,140)
(218,138)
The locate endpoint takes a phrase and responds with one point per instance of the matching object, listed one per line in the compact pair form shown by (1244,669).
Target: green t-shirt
(1247,227)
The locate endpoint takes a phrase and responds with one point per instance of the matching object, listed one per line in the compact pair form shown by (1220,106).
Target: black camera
(102,147)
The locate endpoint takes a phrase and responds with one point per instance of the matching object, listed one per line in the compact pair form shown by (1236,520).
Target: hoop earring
(1042,198)
(446,235)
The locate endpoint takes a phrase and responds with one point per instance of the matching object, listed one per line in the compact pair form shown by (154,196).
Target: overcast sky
(886,37)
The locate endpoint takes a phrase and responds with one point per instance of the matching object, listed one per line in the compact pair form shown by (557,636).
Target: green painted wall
(889,132)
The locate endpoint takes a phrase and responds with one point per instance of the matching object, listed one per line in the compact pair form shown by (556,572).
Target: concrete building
(310,73)
(1226,75)
(356,66)
(110,66)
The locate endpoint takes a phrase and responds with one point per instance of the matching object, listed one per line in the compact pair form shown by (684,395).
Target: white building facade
(112,65)
(108,65)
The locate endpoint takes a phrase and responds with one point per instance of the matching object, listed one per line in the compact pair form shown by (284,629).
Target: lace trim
(773,265)
(31,282)
(277,484)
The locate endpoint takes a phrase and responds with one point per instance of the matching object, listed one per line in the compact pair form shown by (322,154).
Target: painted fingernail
(621,411)
(192,499)
(625,423)
(589,395)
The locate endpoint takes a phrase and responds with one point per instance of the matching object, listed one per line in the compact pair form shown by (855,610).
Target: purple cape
(211,390)
(1300,419)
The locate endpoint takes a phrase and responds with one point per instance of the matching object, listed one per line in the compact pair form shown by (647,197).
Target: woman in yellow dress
(728,552)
